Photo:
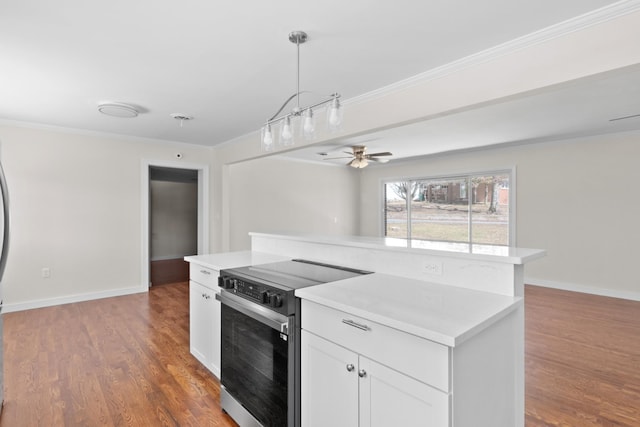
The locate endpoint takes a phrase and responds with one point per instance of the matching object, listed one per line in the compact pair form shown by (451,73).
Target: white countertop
(224,260)
(505,254)
(445,314)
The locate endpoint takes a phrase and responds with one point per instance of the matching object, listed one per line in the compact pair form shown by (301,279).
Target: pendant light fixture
(299,116)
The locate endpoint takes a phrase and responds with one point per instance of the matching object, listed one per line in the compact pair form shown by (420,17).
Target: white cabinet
(361,373)
(329,383)
(342,388)
(204,316)
(345,383)
(389,398)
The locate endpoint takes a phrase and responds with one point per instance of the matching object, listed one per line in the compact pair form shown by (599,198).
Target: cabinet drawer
(421,359)
(205,276)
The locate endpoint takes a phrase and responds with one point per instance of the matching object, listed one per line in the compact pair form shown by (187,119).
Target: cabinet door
(201,320)
(389,398)
(329,376)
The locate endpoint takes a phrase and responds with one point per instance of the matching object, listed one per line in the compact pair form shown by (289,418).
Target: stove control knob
(265,297)
(275,300)
(228,283)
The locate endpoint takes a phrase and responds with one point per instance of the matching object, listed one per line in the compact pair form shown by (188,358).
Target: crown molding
(96,134)
(578,23)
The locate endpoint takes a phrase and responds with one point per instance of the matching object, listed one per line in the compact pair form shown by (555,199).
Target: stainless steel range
(260,339)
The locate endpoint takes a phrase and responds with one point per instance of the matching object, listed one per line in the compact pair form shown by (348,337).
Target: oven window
(254,366)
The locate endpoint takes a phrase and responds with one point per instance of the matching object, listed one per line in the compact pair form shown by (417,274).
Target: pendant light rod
(298,37)
(298,77)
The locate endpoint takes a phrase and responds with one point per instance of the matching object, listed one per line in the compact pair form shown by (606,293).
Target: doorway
(175,204)
(173,223)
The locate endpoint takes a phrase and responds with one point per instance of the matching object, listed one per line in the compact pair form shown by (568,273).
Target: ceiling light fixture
(118,109)
(288,122)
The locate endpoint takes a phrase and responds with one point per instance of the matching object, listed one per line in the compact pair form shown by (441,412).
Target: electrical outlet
(433,267)
(46,272)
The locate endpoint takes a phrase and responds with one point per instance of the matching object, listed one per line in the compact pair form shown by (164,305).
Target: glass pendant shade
(334,115)
(267,138)
(286,131)
(308,127)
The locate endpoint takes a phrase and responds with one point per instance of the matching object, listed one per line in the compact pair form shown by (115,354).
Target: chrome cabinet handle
(362,373)
(356,324)
(350,367)
(205,272)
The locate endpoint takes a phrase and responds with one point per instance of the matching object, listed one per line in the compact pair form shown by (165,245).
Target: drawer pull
(355,324)
(350,367)
(205,272)
(362,373)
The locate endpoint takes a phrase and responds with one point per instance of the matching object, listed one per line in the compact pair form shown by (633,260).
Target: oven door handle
(263,315)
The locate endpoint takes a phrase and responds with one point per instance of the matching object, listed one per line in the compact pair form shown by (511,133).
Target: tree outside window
(469,209)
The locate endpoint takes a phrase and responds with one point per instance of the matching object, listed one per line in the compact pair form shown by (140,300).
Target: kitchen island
(434,337)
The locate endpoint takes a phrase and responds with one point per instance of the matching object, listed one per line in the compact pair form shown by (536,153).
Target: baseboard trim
(28,305)
(574,287)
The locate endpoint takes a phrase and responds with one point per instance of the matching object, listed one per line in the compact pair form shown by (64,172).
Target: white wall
(174,219)
(275,195)
(577,199)
(76,209)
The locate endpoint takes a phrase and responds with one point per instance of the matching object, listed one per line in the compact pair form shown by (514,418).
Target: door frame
(203,210)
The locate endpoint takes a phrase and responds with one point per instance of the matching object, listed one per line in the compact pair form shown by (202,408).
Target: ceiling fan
(360,158)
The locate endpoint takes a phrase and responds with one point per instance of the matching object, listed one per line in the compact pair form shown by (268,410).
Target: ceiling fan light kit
(302,117)
(359,163)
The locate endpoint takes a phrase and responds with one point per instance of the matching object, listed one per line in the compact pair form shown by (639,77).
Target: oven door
(255,362)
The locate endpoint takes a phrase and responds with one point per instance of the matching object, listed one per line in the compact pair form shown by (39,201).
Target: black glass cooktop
(295,274)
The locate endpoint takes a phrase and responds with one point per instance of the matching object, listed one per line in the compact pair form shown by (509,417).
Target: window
(468,209)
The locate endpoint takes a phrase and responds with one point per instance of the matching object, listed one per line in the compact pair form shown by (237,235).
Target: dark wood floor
(165,271)
(582,359)
(125,362)
(120,361)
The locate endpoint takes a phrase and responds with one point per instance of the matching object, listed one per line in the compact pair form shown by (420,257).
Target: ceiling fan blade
(376,159)
(334,158)
(385,153)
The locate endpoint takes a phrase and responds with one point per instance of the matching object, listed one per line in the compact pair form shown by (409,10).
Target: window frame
(510,171)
